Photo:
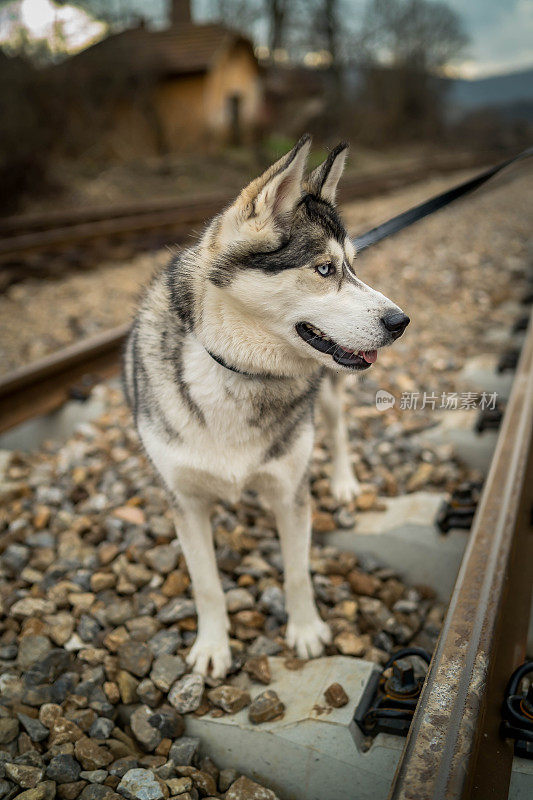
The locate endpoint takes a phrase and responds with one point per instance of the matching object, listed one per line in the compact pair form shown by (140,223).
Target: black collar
(223,363)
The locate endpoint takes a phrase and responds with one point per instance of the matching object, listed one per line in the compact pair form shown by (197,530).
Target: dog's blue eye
(325,269)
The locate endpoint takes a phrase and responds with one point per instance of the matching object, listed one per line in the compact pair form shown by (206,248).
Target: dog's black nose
(395,322)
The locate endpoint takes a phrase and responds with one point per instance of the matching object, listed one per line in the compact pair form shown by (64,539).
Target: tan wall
(235,73)
(193,111)
(180,104)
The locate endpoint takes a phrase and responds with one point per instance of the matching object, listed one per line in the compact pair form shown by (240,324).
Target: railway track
(454,749)
(52,244)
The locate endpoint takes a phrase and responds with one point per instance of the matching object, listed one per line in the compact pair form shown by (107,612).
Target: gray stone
(148,693)
(143,731)
(101,728)
(119,767)
(166,669)
(183,751)
(94,791)
(88,628)
(118,612)
(94,775)
(9,729)
(168,722)
(226,778)
(178,608)
(31,649)
(49,668)
(136,658)
(35,729)
(186,693)
(273,600)
(263,646)
(139,784)
(15,557)
(63,769)
(164,642)
(163,558)
(166,770)
(238,600)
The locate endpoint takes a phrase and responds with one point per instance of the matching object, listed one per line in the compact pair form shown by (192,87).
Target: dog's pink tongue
(369,355)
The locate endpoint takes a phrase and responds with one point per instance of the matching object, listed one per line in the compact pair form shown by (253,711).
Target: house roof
(190,48)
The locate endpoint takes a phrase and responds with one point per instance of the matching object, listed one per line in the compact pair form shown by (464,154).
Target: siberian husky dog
(225,358)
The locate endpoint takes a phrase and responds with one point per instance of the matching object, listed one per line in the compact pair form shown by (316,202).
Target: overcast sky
(501,33)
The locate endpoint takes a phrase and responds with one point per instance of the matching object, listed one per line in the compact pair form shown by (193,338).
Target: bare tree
(420,34)
(403,47)
(276,12)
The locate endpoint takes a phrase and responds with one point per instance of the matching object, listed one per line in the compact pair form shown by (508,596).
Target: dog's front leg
(193,527)
(344,484)
(306,632)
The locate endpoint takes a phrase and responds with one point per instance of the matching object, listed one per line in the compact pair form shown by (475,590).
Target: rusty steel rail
(45,385)
(453,750)
(23,237)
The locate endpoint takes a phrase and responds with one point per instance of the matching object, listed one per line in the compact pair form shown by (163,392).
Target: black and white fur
(222,375)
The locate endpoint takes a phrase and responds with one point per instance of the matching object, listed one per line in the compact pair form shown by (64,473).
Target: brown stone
(347,609)
(336,696)
(62,730)
(265,706)
(203,781)
(131,514)
(323,522)
(127,685)
(366,499)
(48,713)
(41,517)
(116,638)
(421,477)
(350,644)
(229,698)
(102,580)
(136,658)
(175,584)
(69,791)
(90,755)
(258,668)
(249,618)
(112,692)
(245,789)
(107,552)
(362,583)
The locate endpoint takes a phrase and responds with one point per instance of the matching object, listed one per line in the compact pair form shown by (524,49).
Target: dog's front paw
(309,639)
(210,651)
(345,487)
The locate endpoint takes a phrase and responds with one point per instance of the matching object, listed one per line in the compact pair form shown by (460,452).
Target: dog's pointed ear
(275,193)
(323,180)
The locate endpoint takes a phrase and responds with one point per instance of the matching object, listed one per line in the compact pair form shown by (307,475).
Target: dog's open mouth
(342,355)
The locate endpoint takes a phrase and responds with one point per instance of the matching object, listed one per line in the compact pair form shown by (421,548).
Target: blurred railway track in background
(50,245)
